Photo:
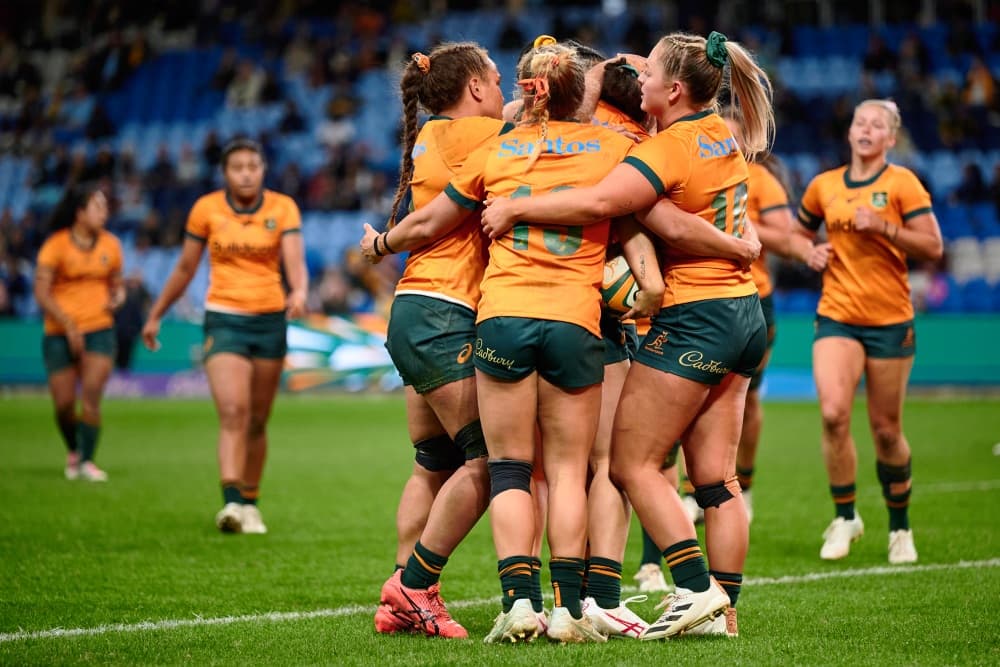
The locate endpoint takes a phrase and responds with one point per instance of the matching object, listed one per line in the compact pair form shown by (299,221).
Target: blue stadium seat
(977,296)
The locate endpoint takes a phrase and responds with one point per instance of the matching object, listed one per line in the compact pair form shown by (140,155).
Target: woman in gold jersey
(78,284)
(877,215)
(249,232)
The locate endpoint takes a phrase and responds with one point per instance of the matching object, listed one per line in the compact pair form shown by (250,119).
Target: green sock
(567,580)
(650,552)
(898,504)
(515,579)
(604,582)
(732,582)
(86,438)
(843,500)
(536,585)
(423,570)
(67,429)
(687,566)
(249,494)
(231,493)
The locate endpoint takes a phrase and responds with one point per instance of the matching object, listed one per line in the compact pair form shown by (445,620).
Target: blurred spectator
(337,128)
(226,71)
(972,188)
(299,54)
(161,174)
(211,151)
(188,166)
(980,87)
(879,57)
(133,203)
(99,124)
(292,121)
(291,183)
(995,188)
(914,60)
(130,318)
(245,88)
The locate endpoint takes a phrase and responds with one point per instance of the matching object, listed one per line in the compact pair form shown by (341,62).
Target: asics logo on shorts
(694,359)
(464,353)
(908,339)
(209,341)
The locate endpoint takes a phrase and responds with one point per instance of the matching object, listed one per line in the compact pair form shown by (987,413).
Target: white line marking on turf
(352,610)
(956,487)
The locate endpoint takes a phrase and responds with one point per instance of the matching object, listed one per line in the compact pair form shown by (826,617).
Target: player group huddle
(618,194)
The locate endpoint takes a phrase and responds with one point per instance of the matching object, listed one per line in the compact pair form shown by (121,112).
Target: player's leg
(62,380)
(96,364)
(838,362)
(265,378)
(229,378)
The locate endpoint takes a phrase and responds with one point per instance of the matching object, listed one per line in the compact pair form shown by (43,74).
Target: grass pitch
(133,571)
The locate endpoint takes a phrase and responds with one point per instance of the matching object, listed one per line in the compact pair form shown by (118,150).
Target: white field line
(955,487)
(353,610)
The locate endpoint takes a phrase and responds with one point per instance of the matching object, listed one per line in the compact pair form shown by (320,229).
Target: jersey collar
(694,116)
(245,211)
(861,184)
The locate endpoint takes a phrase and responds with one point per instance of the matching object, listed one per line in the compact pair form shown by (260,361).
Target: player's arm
(802,242)
(625,190)
(175,286)
(694,235)
(44,276)
(426,224)
(774,229)
(116,286)
(640,253)
(293,259)
(919,236)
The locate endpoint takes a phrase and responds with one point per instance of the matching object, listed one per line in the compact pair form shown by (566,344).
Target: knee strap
(713,495)
(438,454)
(890,474)
(509,475)
(471,441)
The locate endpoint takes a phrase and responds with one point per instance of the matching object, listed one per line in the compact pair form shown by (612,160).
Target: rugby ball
(619,287)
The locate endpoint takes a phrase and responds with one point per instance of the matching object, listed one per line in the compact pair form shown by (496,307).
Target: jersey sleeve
(810,208)
(768,191)
(467,187)
(657,160)
(911,196)
(291,221)
(197,223)
(48,256)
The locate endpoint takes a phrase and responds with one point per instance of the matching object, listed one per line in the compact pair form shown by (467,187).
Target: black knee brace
(507,475)
(471,441)
(890,474)
(713,495)
(438,454)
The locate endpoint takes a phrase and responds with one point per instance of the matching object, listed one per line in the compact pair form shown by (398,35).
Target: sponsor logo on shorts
(209,342)
(488,355)
(464,353)
(656,347)
(695,359)
(908,339)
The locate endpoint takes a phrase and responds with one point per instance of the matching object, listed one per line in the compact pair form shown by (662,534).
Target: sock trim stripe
(606,573)
(517,569)
(682,552)
(897,504)
(844,499)
(674,562)
(424,564)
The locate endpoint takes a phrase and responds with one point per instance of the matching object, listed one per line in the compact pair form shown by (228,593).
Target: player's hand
(150,334)
(647,304)
(749,249)
(117,299)
(296,304)
(625,132)
(867,221)
(819,256)
(497,217)
(367,245)
(75,340)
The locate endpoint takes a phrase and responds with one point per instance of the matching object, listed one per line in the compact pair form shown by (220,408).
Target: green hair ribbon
(715,49)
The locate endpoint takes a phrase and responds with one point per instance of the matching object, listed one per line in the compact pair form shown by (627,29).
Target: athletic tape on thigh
(713,495)
(508,475)
(438,453)
(471,441)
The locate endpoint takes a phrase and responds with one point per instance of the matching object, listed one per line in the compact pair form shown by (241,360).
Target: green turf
(143,547)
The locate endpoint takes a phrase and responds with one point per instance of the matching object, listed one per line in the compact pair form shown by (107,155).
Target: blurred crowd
(50,104)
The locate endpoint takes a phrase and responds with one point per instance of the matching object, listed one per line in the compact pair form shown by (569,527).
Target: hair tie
(715,49)
(633,72)
(543,40)
(423,62)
